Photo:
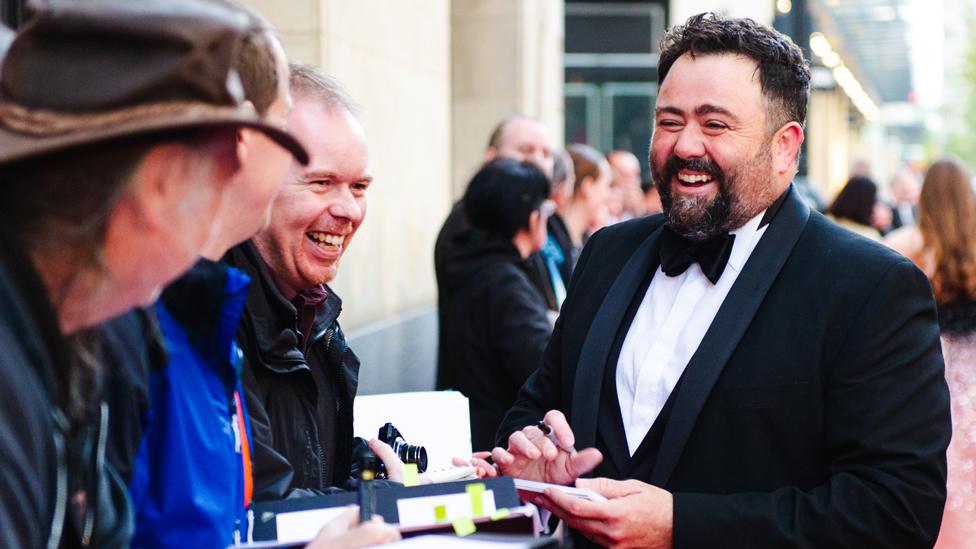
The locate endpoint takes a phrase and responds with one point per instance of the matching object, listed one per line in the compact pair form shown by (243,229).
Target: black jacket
(456,226)
(45,460)
(815,412)
(493,332)
(299,388)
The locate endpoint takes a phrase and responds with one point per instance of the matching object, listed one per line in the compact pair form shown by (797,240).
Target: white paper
(540,487)
(452,474)
(420,511)
(300,526)
(436,420)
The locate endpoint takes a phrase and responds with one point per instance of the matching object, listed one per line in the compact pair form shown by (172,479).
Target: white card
(300,526)
(422,511)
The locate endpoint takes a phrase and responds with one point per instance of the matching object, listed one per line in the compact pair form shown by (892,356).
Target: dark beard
(695,218)
(743,192)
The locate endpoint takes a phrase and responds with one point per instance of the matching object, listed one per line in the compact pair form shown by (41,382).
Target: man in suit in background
(742,372)
(904,191)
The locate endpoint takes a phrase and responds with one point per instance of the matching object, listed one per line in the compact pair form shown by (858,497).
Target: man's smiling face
(711,153)
(320,206)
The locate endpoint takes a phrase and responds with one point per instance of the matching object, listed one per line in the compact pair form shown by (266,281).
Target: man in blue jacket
(192,483)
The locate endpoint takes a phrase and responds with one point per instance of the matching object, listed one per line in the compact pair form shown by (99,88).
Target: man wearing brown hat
(117,135)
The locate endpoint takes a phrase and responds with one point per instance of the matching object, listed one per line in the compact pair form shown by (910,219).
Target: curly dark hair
(784,74)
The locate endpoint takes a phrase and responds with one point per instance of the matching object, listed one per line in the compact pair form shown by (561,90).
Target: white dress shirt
(667,330)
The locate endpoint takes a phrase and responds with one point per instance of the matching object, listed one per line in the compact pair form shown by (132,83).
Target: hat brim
(16,146)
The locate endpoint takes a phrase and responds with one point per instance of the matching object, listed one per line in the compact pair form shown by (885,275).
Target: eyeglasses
(547,208)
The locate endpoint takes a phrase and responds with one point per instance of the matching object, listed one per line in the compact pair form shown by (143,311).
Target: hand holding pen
(546,453)
(551,435)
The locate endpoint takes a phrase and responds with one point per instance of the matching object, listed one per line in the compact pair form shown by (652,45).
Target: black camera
(372,467)
(408,453)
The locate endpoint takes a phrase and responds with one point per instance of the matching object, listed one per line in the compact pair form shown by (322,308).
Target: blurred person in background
(558,252)
(616,211)
(517,137)
(943,245)
(496,325)
(882,217)
(860,167)
(587,211)
(523,139)
(626,173)
(853,208)
(904,194)
(652,198)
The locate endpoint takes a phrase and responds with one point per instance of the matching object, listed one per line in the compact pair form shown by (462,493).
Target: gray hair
(310,82)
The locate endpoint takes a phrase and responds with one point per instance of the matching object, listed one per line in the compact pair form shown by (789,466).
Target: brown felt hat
(81,72)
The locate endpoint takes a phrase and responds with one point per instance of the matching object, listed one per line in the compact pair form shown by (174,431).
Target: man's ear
(491,153)
(154,187)
(786,144)
(534,219)
(242,143)
(585,185)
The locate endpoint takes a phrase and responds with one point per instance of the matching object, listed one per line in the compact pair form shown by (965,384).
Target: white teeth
(694,178)
(324,238)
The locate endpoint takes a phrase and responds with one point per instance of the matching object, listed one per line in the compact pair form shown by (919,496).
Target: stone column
(506,58)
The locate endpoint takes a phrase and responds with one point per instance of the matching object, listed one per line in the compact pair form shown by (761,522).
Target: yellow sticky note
(477,492)
(463,526)
(440,513)
(499,514)
(411,477)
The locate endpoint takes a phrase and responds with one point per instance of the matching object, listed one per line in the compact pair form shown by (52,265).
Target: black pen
(551,435)
(367,500)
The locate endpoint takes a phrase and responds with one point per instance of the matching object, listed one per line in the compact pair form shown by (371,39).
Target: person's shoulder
(836,248)
(905,240)
(508,271)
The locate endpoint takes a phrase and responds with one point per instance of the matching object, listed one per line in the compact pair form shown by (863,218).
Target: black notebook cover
(503,489)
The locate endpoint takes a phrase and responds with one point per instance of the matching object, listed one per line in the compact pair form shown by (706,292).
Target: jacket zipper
(239,450)
(99,467)
(340,390)
(61,504)
(329,334)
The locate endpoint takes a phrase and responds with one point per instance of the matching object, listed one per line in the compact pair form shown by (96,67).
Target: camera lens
(408,453)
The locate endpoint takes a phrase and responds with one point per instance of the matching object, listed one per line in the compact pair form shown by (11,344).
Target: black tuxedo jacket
(813,414)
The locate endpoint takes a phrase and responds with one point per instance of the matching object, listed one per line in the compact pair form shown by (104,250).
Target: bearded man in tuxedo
(739,371)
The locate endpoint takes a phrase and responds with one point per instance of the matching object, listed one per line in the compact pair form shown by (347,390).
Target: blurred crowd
(178,196)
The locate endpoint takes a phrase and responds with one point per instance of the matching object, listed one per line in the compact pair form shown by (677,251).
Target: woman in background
(854,206)
(495,326)
(588,209)
(943,245)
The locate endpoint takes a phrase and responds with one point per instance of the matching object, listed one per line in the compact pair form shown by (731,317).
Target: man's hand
(345,532)
(635,515)
(394,467)
(532,456)
(478,460)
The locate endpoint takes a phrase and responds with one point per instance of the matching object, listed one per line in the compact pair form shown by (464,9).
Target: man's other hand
(635,514)
(532,456)
(478,460)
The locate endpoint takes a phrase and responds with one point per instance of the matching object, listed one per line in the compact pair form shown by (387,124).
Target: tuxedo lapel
(730,324)
(610,425)
(592,362)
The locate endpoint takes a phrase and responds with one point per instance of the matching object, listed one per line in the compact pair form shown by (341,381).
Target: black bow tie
(678,253)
